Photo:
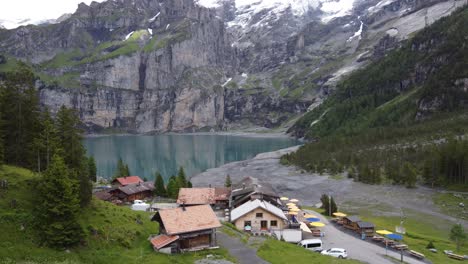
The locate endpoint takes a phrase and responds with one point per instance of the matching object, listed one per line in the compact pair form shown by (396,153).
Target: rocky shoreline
(353,197)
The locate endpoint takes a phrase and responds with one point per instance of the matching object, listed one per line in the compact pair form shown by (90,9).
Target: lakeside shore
(352,197)
(218,133)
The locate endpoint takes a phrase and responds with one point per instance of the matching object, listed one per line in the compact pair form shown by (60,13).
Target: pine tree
(70,137)
(325,202)
(159,188)
(410,175)
(189,184)
(458,235)
(46,143)
(126,171)
(57,207)
(181,179)
(1,140)
(92,170)
(334,208)
(122,169)
(85,184)
(228,182)
(173,188)
(19,107)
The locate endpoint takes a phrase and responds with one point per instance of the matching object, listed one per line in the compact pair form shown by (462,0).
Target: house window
(247,223)
(259,215)
(274,223)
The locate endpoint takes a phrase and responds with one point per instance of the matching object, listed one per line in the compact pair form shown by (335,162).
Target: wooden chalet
(367,228)
(350,222)
(258,216)
(187,228)
(135,191)
(250,189)
(124,181)
(217,197)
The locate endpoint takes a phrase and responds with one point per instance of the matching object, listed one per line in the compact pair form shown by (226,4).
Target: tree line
(31,137)
(438,162)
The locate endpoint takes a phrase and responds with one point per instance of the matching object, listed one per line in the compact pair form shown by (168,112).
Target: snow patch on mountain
(267,11)
(338,8)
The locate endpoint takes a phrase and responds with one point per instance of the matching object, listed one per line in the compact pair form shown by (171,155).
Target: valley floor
(382,204)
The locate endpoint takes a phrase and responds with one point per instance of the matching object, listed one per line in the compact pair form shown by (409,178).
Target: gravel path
(357,248)
(352,196)
(237,249)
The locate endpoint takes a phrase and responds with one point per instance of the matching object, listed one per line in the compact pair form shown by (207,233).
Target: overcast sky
(38,9)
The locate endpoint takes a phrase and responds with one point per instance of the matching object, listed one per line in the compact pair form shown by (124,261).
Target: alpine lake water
(146,154)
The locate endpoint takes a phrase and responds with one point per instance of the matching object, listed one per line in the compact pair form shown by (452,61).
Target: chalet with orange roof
(187,228)
(217,197)
(124,181)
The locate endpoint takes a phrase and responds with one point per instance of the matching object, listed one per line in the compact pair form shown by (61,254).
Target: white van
(311,244)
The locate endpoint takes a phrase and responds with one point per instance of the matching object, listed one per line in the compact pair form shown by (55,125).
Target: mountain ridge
(186,68)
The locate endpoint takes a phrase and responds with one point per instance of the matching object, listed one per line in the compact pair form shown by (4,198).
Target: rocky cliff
(188,65)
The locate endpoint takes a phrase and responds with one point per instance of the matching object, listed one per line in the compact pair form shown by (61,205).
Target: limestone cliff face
(157,66)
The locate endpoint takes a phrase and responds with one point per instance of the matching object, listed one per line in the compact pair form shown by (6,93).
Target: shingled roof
(362,224)
(252,205)
(353,218)
(137,188)
(188,219)
(163,240)
(253,185)
(197,196)
(127,180)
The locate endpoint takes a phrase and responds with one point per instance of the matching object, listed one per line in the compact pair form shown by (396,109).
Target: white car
(335,252)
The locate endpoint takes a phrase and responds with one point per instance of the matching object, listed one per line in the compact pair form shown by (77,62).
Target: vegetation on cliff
(402,108)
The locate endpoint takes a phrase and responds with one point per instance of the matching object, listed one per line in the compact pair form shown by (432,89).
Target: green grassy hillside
(113,234)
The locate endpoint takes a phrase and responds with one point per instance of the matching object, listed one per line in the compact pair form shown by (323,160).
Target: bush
(430,245)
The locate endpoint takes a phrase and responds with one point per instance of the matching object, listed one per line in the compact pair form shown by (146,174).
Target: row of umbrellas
(315,222)
(389,234)
(293,210)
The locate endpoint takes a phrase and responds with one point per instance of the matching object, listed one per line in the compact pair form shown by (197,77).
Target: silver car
(335,252)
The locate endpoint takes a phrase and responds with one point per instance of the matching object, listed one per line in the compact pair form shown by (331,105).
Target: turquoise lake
(166,153)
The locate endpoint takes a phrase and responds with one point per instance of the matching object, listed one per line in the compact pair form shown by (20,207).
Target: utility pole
(329,204)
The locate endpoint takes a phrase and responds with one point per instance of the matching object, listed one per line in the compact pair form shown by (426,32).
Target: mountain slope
(152,66)
(428,75)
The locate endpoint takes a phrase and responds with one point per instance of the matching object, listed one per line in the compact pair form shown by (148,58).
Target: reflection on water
(165,153)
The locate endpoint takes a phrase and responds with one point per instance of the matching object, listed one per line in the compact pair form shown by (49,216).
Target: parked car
(311,244)
(139,205)
(335,252)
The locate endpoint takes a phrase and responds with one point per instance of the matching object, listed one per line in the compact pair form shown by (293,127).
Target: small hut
(350,222)
(366,228)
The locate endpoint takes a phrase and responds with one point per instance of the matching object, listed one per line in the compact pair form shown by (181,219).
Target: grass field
(113,234)
(420,230)
(450,204)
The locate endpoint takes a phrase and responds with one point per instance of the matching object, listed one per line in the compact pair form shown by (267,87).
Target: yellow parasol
(294,210)
(292,213)
(284,198)
(294,200)
(383,232)
(309,216)
(290,204)
(338,214)
(317,224)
